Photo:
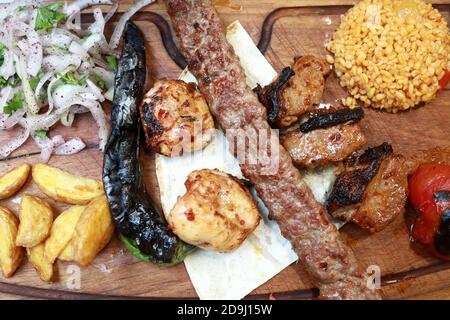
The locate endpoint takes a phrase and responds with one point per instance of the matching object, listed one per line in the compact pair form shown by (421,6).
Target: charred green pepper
(141,226)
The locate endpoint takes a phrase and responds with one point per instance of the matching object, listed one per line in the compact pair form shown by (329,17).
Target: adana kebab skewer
(302,220)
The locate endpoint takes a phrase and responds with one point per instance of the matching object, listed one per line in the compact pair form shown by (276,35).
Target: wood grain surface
(116,273)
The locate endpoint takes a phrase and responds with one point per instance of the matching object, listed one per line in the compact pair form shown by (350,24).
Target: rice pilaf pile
(391,54)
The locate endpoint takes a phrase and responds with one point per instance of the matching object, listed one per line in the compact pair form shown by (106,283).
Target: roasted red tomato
(425,194)
(443,82)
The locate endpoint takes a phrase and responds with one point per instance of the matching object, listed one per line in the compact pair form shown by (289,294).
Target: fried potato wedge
(62,231)
(37,258)
(36,218)
(67,253)
(66,187)
(93,231)
(10,254)
(12,181)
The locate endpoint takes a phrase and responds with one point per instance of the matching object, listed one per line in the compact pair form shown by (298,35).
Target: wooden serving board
(408,271)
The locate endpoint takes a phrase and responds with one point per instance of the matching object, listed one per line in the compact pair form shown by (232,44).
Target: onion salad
(53,68)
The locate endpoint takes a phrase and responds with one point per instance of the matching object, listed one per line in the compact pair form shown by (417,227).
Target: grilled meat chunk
(372,190)
(302,219)
(176,118)
(322,146)
(295,91)
(216,213)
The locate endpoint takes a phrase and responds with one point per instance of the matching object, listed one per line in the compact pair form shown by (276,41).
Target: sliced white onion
(59,62)
(5,94)
(56,39)
(95,90)
(10,146)
(106,76)
(7,122)
(70,147)
(7,69)
(57,140)
(39,122)
(79,5)
(27,91)
(111,12)
(103,126)
(45,77)
(46,146)
(34,52)
(118,30)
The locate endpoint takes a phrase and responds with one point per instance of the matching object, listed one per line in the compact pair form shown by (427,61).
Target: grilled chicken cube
(176,118)
(295,91)
(372,191)
(216,213)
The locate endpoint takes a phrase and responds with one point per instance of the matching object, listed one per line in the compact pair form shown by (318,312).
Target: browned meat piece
(295,91)
(322,146)
(302,220)
(176,118)
(372,191)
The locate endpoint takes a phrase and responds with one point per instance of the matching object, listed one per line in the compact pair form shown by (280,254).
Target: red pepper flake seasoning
(162,114)
(190,215)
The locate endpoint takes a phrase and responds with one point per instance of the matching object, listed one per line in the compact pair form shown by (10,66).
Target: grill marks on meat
(329,118)
(327,136)
(295,91)
(302,220)
(269,96)
(372,190)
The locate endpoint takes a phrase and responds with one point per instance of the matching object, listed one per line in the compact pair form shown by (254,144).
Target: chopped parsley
(34,81)
(14,104)
(2,53)
(40,133)
(112,61)
(98,80)
(14,80)
(48,16)
(60,48)
(69,78)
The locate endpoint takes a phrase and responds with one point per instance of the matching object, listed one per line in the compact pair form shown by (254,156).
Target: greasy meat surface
(385,196)
(176,118)
(297,95)
(322,146)
(216,213)
(302,220)
(372,190)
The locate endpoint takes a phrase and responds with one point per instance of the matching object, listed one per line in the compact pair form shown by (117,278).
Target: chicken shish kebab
(217,212)
(176,118)
(302,220)
(295,91)
(329,136)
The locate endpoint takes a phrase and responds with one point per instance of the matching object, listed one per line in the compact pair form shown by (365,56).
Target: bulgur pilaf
(391,54)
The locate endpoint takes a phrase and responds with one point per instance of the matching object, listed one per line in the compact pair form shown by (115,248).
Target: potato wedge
(12,181)
(66,187)
(93,231)
(37,258)
(10,254)
(36,218)
(67,253)
(62,231)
